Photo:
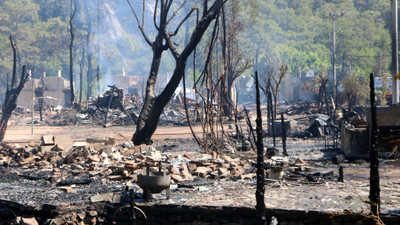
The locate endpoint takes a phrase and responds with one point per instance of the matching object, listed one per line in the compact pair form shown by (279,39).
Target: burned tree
(81,66)
(318,86)
(322,81)
(89,52)
(154,105)
(354,90)
(71,48)
(12,93)
(234,60)
(276,85)
(270,110)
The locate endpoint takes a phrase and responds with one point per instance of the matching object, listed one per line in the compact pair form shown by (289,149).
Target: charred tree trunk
(328,108)
(89,55)
(153,106)
(226,100)
(71,49)
(89,74)
(98,48)
(260,160)
(271,113)
(145,124)
(12,93)
(320,101)
(374,192)
(81,66)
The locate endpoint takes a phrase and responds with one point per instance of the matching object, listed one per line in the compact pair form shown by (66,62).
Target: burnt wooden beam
(374,191)
(260,160)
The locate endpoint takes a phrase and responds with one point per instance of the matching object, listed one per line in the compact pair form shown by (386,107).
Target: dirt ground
(23,134)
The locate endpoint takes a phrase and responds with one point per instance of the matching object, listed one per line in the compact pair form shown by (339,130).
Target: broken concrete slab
(64,140)
(26,221)
(68,190)
(47,140)
(108,197)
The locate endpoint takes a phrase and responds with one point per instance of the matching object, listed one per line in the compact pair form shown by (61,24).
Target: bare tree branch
(205,7)
(168,4)
(140,26)
(155,15)
(14,72)
(182,22)
(143,12)
(176,12)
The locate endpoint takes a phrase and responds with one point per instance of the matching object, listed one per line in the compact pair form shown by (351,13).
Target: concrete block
(355,143)
(65,141)
(47,140)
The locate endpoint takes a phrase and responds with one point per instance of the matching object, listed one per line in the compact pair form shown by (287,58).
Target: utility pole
(334,17)
(395,52)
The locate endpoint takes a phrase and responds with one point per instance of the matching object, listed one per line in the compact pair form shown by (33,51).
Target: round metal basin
(155,183)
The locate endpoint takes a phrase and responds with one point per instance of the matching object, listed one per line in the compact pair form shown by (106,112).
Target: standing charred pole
(374,189)
(260,160)
(395,52)
(71,49)
(12,93)
(334,17)
(283,135)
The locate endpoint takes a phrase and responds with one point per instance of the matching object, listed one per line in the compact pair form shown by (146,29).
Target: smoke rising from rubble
(121,44)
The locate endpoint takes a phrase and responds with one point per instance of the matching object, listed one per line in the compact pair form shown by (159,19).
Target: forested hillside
(299,33)
(295,32)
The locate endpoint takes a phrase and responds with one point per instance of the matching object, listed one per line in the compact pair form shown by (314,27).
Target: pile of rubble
(60,161)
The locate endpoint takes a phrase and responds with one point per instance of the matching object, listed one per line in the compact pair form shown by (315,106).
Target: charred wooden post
(266,92)
(238,134)
(260,160)
(283,135)
(272,119)
(374,191)
(341,175)
(250,128)
(12,93)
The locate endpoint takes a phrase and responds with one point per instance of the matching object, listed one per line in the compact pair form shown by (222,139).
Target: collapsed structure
(54,91)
